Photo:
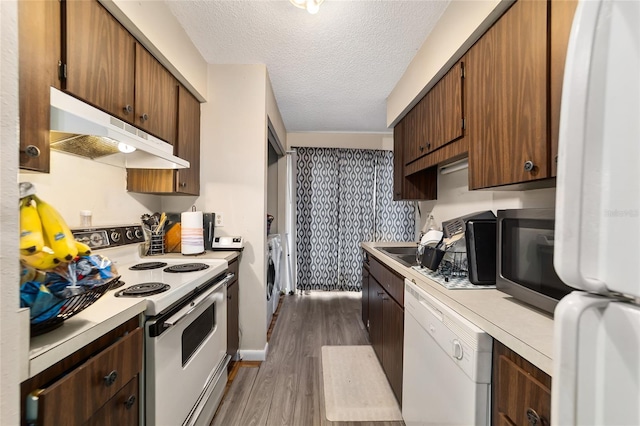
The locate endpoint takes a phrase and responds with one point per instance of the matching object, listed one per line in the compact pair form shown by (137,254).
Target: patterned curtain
(344,197)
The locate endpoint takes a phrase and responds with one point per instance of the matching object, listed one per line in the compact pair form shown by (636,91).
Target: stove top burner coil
(147,265)
(187,267)
(143,289)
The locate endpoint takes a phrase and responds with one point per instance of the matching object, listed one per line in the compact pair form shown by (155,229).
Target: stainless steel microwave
(524,264)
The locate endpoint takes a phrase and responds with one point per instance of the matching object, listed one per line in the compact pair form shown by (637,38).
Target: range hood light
(124,148)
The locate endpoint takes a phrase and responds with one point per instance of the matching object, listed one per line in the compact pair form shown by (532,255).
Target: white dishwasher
(447,365)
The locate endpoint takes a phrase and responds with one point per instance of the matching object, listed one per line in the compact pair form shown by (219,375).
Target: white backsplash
(75,184)
(455,199)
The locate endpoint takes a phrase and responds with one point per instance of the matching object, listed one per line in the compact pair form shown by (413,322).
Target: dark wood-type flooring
(287,389)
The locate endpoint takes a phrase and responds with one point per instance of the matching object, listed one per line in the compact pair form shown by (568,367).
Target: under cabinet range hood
(81,129)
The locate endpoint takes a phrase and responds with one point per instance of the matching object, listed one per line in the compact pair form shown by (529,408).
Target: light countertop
(104,315)
(525,330)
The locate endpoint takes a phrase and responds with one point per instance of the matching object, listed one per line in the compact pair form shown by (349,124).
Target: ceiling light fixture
(311,6)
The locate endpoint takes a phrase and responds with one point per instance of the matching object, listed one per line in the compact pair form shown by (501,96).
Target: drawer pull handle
(129,402)
(110,378)
(380,293)
(534,418)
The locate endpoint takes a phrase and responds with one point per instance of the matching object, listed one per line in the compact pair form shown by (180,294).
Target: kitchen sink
(404,255)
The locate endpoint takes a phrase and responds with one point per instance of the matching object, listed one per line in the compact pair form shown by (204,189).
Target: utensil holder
(431,257)
(156,242)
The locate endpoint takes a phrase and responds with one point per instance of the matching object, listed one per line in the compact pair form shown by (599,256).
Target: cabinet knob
(110,378)
(534,418)
(421,148)
(144,117)
(183,184)
(380,293)
(128,109)
(428,145)
(528,166)
(31,151)
(128,404)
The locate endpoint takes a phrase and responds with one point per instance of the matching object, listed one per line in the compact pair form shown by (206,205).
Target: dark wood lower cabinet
(521,391)
(97,385)
(233,310)
(365,294)
(122,409)
(393,340)
(376,322)
(386,322)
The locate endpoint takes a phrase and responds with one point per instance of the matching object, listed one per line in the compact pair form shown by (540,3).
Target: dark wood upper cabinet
(156,97)
(100,59)
(39,54)
(562,12)
(187,146)
(506,80)
(422,185)
(398,159)
(437,119)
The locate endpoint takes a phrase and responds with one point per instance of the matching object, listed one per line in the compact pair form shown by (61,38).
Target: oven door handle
(210,295)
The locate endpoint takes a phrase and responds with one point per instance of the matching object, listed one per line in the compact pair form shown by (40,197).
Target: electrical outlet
(219,220)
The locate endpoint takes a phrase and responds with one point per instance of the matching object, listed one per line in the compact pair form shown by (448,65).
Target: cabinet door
(375,316)
(506,79)
(398,159)
(156,97)
(520,390)
(233,337)
(120,410)
(92,384)
(188,143)
(562,12)
(39,53)
(365,296)
(393,339)
(444,110)
(100,58)
(416,132)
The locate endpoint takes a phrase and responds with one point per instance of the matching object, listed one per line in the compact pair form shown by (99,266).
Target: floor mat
(355,387)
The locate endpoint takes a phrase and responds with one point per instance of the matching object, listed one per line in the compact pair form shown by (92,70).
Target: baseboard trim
(250,355)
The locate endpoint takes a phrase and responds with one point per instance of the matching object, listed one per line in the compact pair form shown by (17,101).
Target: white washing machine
(274,274)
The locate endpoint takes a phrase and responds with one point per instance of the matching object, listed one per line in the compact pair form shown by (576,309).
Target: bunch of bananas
(45,239)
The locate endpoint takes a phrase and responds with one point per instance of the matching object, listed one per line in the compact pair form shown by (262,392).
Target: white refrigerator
(596,370)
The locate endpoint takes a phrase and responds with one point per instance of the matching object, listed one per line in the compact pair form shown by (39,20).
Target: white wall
(455,199)
(233,181)
(76,183)
(458,28)
(153,24)
(382,141)
(9,279)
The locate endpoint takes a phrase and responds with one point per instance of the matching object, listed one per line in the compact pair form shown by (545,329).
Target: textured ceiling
(331,72)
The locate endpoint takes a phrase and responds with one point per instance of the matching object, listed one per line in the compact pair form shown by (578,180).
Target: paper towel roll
(191,233)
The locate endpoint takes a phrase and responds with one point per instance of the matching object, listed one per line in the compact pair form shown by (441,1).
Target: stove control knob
(137,233)
(115,236)
(129,234)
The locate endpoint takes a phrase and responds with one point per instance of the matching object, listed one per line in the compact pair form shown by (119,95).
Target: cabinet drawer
(122,409)
(83,391)
(519,393)
(392,283)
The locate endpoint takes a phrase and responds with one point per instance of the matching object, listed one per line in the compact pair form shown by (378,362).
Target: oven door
(187,359)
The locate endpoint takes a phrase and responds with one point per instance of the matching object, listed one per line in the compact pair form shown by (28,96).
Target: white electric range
(185,324)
